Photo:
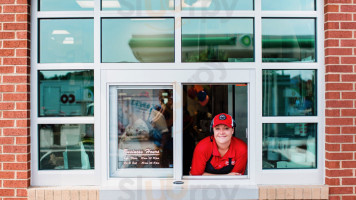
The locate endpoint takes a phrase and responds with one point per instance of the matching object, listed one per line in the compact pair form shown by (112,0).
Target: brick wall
(340,77)
(14,99)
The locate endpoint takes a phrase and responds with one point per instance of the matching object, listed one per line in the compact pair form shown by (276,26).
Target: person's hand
(234,174)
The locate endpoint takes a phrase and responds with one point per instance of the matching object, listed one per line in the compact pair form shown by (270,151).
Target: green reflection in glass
(217,40)
(288,40)
(66,41)
(289,146)
(138,40)
(289,93)
(137,5)
(66,93)
(217,5)
(305,5)
(66,5)
(66,146)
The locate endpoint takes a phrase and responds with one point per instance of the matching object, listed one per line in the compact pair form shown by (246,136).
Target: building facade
(106,99)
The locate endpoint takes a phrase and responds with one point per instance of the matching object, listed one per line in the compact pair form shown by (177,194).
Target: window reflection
(217,5)
(304,5)
(288,40)
(66,41)
(289,92)
(66,5)
(66,93)
(289,146)
(138,40)
(137,5)
(66,146)
(217,40)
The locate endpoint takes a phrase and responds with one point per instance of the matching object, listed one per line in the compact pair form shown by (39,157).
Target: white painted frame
(103,77)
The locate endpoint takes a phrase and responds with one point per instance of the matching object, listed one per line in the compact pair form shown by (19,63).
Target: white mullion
(138,13)
(65,14)
(177,34)
(287,66)
(290,14)
(65,120)
(178,131)
(217,13)
(293,119)
(64,66)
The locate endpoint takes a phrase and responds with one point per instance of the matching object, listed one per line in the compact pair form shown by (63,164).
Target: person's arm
(199,160)
(241,160)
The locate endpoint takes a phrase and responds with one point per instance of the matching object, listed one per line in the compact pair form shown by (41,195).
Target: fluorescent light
(60,32)
(68,40)
(86,4)
(111,4)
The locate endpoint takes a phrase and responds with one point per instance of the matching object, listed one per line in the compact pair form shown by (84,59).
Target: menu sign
(147,158)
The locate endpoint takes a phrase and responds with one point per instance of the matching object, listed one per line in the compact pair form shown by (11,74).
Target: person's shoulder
(239,143)
(204,144)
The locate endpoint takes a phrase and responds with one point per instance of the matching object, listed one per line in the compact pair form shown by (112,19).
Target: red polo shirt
(237,151)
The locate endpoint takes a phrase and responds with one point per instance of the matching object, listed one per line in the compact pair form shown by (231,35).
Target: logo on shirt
(233,162)
(226,163)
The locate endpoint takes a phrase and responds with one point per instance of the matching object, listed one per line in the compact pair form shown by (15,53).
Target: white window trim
(256,174)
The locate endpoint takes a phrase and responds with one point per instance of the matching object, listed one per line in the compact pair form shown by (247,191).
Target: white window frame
(184,73)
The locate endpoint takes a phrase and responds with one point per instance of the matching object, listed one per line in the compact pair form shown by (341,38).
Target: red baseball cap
(223,118)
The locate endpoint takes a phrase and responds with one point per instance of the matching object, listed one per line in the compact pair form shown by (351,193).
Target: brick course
(14,99)
(340,78)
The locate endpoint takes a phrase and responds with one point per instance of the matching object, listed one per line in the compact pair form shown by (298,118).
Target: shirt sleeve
(241,158)
(199,160)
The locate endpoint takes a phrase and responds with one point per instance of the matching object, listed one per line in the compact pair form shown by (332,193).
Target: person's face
(223,134)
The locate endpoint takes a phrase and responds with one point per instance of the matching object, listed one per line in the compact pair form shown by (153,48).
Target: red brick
(22,52)
(348,25)
(349,147)
(22,88)
(332,60)
(339,156)
(332,181)
(339,173)
(332,113)
(348,130)
(16,166)
(339,86)
(332,78)
(16,114)
(331,25)
(7,106)
(16,97)
(16,61)
(7,175)
(334,198)
(338,51)
(332,95)
(15,9)
(7,35)
(7,17)
(22,17)
(348,8)
(348,164)
(348,197)
(6,69)
(338,34)
(348,181)
(22,2)
(23,175)
(331,8)
(337,1)
(348,112)
(16,149)
(339,104)
(22,140)
(23,35)
(16,132)
(23,157)
(332,164)
(7,88)
(7,52)
(7,158)
(331,43)
(348,60)
(15,79)
(7,192)
(348,43)
(6,140)
(348,95)
(22,105)
(7,123)
(339,138)
(339,68)
(16,183)
(332,130)
(21,193)
(332,147)
(15,44)
(15,26)
(22,123)
(338,17)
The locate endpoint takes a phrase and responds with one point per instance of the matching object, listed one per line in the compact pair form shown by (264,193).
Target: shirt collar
(229,153)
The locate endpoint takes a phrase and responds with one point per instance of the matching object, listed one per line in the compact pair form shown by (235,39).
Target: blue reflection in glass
(288,40)
(66,41)
(66,5)
(217,4)
(304,5)
(138,40)
(217,40)
(137,5)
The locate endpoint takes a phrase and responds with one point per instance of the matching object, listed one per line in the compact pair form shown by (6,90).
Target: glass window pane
(217,40)
(305,5)
(141,122)
(66,146)
(66,93)
(288,40)
(138,40)
(289,146)
(201,103)
(66,41)
(217,5)
(66,5)
(137,5)
(289,93)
